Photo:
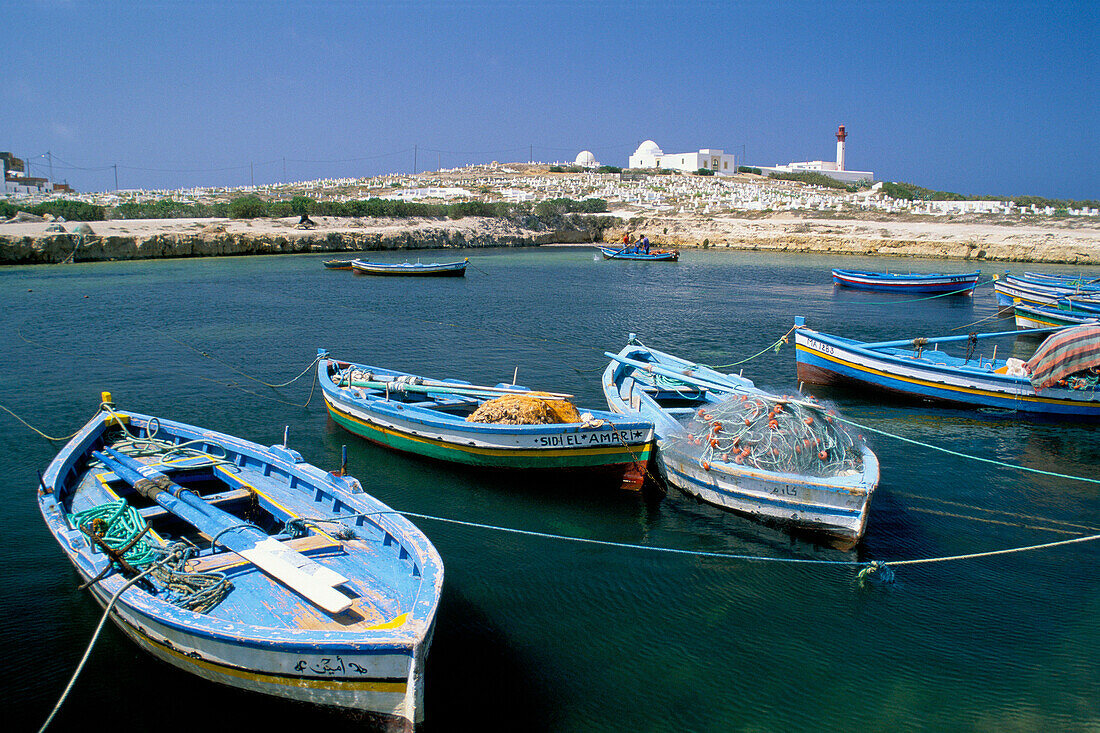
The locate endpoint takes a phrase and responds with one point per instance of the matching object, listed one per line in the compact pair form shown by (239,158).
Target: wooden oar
(429,387)
(292,568)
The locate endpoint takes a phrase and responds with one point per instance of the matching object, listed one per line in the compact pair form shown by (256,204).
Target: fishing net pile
(781,434)
(514,409)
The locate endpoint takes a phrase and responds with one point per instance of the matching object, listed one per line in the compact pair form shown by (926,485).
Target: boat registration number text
(818,346)
(586,439)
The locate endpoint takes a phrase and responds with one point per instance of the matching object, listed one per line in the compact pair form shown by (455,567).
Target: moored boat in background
(922,371)
(337,264)
(415,269)
(924,283)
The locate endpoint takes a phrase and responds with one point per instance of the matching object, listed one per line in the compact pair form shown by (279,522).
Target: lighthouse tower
(840,137)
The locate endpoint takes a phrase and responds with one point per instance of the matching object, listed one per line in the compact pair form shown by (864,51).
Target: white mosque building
(648,155)
(826,167)
(586,159)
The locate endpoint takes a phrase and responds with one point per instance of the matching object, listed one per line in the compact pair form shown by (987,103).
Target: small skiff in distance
(889,282)
(337,264)
(302,585)
(1012,289)
(778,459)
(612,253)
(415,269)
(1041,316)
(429,418)
(917,368)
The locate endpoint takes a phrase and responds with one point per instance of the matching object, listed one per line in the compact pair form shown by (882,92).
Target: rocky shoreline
(1053,242)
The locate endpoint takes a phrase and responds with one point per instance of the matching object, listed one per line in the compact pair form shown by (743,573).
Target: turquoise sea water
(545,635)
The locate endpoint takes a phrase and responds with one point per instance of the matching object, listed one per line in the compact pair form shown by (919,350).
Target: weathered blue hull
(262,636)
(886,282)
(935,376)
(610,253)
(411,269)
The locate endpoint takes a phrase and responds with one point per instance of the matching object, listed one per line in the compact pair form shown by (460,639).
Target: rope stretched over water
(755,558)
(95,637)
(47,437)
(992,461)
(772,347)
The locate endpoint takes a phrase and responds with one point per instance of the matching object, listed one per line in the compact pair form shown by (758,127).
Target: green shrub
(247,207)
(301,205)
(812,178)
(704,172)
(71,210)
(609,169)
(747,169)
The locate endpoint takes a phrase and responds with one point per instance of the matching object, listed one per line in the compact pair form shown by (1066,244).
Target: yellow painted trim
(642,451)
(941,385)
(396,623)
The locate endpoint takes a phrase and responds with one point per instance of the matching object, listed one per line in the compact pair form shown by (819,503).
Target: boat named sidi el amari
(499,427)
(245,565)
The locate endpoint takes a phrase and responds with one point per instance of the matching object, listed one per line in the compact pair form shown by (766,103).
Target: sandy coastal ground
(1073,241)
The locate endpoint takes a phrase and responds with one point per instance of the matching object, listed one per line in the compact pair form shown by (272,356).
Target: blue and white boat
(1012,289)
(414,269)
(922,283)
(1042,316)
(918,369)
(630,253)
(437,418)
(302,585)
(779,459)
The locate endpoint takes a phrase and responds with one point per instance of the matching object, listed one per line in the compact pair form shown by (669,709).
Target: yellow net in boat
(515,409)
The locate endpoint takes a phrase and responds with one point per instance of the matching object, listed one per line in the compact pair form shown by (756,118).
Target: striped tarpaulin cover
(1066,352)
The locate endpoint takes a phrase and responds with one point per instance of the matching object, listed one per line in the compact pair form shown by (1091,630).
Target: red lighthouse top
(840,134)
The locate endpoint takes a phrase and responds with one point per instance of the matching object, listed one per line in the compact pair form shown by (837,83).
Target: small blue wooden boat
(627,253)
(1012,289)
(890,282)
(433,269)
(337,264)
(429,418)
(302,585)
(917,369)
(778,459)
(1041,316)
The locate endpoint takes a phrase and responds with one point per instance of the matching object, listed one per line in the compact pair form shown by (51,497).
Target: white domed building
(586,159)
(646,155)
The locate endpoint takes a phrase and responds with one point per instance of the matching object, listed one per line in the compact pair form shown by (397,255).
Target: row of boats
(246,565)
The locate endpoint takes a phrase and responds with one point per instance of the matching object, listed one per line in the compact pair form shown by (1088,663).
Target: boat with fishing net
(918,368)
(414,269)
(912,282)
(246,565)
(656,255)
(501,427)
(782,459)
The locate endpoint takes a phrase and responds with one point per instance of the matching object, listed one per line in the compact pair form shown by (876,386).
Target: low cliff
(30,243)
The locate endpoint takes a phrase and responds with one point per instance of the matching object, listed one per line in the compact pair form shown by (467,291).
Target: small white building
(586,159)
(648,155)
(826,167)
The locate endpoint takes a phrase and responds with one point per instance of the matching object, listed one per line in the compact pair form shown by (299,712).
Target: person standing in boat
(643,244)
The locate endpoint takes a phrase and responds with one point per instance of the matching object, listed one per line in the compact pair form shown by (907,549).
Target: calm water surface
(540,634)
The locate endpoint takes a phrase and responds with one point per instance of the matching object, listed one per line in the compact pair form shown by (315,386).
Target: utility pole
(50,156)
(115,166)
(414,160)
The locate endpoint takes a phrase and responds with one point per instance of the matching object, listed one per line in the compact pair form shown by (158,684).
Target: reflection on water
(539,634)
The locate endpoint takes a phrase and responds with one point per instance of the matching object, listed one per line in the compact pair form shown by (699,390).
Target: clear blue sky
(974,97)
